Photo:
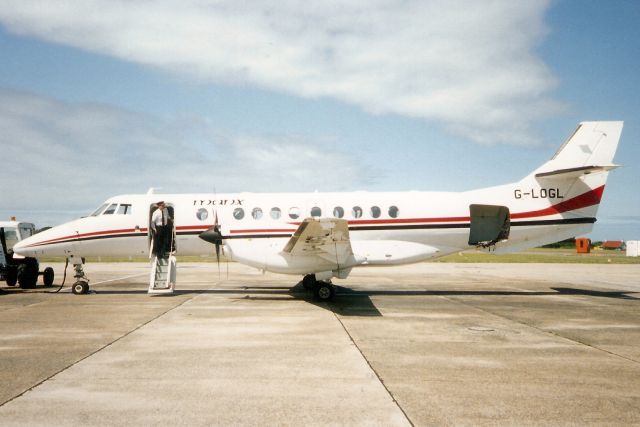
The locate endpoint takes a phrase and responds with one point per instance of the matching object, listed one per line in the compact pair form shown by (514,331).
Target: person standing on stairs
(159,226)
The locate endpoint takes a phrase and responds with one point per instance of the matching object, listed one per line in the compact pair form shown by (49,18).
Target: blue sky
(229,96)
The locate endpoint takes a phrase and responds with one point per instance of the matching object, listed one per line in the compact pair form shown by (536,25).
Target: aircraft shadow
(355,302)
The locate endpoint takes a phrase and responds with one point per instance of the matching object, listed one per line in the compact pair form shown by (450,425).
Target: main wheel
(28,274)
(11,276)
(47,276)
(80,287)
(324,291)
(309,281)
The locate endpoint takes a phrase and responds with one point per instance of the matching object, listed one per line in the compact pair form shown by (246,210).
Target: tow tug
(17,269)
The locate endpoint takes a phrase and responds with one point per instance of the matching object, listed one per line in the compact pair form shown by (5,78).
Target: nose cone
(53,242)
(23,247)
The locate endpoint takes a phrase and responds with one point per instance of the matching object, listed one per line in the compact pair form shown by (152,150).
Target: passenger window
(275,213)
(356,212)
(375,211)
(256,213)
(338,212)
(294,213)
(202,214)
(111,209)
(99,210)
(316,211)
(124,209)
(393,212)
(238,213)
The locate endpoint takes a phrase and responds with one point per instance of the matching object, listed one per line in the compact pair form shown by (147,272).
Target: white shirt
(157,219)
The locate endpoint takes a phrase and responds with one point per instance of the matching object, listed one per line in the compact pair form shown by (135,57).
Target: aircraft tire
(11,276)
(80,287)
(48,276)
(28,274)
(309,281)
(324,291)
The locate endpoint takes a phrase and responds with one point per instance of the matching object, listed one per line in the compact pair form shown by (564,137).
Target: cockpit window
(99,210)
(124,209)
(111,209)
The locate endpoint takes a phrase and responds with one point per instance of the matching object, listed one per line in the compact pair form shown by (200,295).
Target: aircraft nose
(22,247)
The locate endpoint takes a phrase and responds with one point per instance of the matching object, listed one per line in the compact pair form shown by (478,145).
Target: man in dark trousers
(159,225)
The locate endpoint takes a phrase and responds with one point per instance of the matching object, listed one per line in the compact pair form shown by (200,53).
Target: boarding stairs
(162,277)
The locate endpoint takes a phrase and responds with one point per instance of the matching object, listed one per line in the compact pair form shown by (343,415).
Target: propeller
(213,235)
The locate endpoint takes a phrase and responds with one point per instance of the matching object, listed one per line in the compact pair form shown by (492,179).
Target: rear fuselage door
(490,224)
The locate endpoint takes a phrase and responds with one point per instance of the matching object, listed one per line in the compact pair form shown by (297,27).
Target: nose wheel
(81,286)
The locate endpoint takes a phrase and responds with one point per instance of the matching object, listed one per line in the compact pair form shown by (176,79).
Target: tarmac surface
(428,344)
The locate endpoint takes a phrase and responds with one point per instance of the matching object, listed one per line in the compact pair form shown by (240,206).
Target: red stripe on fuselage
(584,200)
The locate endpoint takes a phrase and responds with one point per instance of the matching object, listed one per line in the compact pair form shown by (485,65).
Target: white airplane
(325,235)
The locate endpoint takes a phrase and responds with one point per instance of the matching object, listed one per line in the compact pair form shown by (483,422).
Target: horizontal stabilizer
(575,172)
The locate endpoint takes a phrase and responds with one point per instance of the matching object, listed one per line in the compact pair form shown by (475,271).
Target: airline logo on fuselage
(218,202)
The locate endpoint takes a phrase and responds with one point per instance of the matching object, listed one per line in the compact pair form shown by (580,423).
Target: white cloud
(470,65)
(64,156)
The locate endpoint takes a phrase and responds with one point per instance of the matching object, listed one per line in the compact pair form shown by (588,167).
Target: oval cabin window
(256,213)
(294,213)
(275,213)
(202,214)
(238,213)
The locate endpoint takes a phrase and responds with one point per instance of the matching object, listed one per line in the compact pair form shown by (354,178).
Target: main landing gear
(81,285)
(322,290)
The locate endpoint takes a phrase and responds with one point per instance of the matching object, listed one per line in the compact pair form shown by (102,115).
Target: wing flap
(327,238)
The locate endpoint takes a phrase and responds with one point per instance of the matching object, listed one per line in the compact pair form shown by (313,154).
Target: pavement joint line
(545,331)
(109,344)
(371,367)
(120,278)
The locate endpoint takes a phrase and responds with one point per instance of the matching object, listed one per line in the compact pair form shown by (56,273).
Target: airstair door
(162,250)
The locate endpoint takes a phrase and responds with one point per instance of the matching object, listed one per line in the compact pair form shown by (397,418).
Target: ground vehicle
(15,268)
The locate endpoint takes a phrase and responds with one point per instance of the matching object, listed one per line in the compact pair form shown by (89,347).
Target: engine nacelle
(391,252)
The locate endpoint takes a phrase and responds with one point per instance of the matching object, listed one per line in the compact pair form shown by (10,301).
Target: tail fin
(562,196)
(575,177)
(590,148)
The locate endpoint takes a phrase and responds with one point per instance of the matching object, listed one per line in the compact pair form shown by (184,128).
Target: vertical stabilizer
(590,147)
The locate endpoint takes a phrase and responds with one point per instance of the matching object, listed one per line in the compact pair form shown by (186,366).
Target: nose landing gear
(81,285)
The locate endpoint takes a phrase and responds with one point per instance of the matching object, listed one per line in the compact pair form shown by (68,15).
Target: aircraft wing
(327,238)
